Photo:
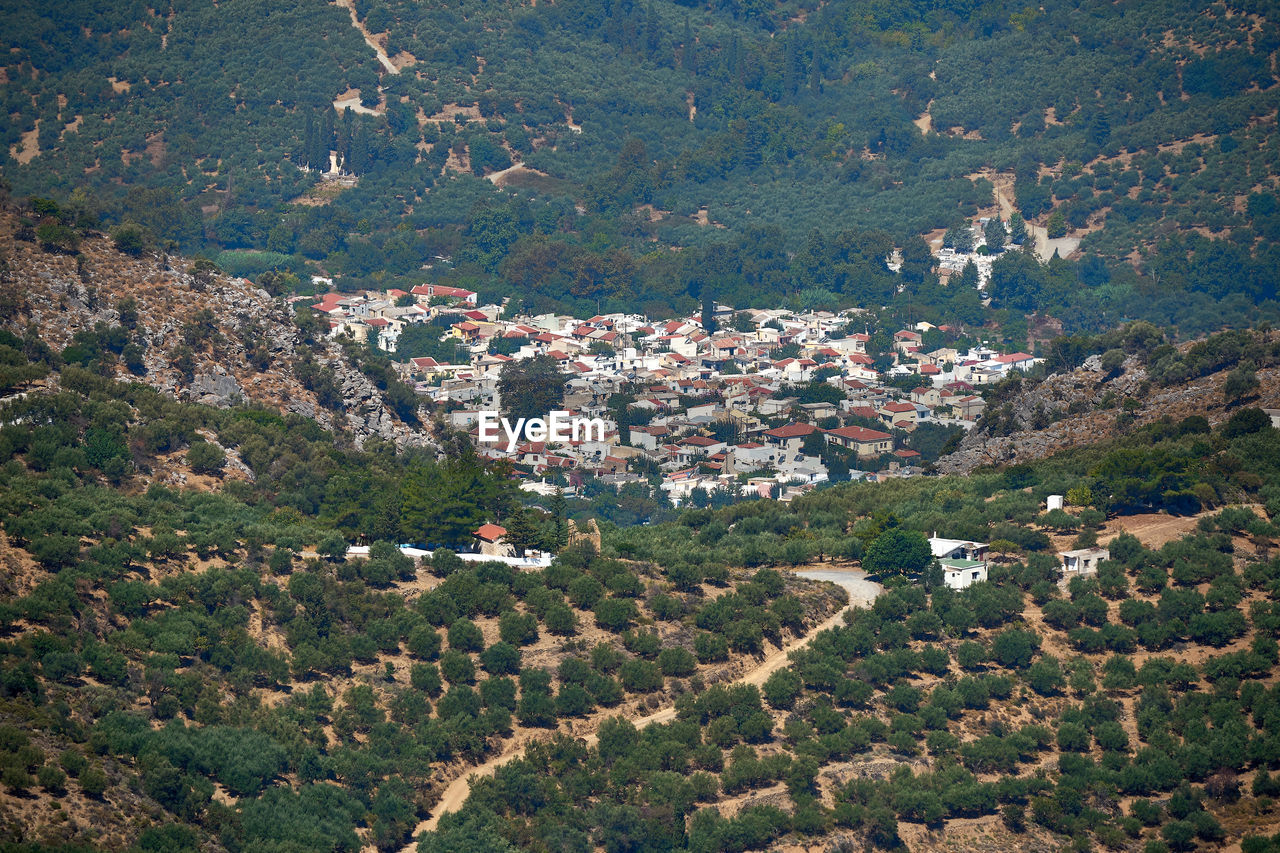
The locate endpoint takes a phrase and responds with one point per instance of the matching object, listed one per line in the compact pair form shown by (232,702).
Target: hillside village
(756,402)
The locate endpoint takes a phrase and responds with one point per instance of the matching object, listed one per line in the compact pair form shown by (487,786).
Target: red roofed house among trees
(490,538)
(865,442)
(440,291)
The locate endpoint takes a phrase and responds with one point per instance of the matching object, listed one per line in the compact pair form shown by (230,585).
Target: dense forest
(822,132)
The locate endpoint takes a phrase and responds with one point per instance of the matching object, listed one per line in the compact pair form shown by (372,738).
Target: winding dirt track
(385,60)
(861,592)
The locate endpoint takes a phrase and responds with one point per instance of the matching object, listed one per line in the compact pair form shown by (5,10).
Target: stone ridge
(59,295)
(1062,412)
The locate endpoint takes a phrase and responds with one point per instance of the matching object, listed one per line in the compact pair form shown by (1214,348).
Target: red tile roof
(490,532)
(861,434)
(792,431)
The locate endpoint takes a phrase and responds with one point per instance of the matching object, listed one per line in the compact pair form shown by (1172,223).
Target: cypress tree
(307,157)
(326,140)
(815,72)
(652,33)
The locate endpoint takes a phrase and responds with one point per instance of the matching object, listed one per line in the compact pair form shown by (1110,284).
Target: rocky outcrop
(1087,405)
(206,338)
(216,388)
(364,410)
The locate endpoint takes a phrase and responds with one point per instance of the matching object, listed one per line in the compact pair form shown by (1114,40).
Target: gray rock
(216,388)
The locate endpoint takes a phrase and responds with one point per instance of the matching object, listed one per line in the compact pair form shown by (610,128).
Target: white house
(957,549)
(963,562)
(958,573)
(1082,561)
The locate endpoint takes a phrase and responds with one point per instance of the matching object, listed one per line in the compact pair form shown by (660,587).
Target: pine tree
(560,525)
(1057,225)
(522,534)
(1017,229)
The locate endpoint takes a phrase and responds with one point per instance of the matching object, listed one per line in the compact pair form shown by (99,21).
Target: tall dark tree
(1017,229)
(443,504)
(309,138)
(689,50)
(995,234)
(559,530)
(531,388)
(1017,279)
(522,533)
(652,33)
(325,142)
(917,260)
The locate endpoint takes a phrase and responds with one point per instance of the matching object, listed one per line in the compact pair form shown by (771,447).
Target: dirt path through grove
(350,6)
(861,593)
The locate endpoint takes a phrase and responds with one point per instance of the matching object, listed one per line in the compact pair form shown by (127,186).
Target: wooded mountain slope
(1138,125)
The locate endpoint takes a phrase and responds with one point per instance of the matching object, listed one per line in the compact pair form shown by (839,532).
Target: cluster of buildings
(953,259)
(380,317)
(965,563)
(708,408)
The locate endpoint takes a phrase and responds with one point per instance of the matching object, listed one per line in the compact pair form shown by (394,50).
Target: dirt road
(1045,247)
(861,593)
(385,60)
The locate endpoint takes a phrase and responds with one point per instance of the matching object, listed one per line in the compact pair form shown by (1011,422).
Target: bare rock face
(215,388)
(365,412)
(1086,405)
(206,338)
